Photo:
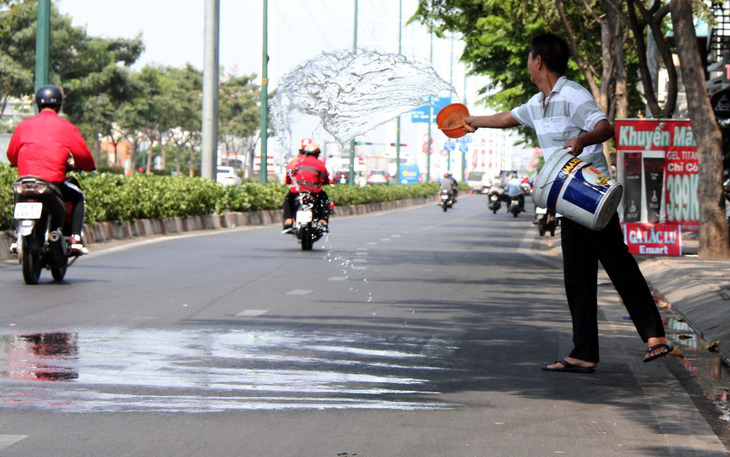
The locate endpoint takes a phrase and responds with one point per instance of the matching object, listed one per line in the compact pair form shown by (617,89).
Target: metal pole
(397,134)
(466,147)
(451,82)
(263,174)
(42,43)
(210,90)
(430,118)
(351,177)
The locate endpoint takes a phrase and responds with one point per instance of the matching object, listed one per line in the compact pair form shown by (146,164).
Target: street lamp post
(351,177)
(209,131)
(263,174)
(42,44)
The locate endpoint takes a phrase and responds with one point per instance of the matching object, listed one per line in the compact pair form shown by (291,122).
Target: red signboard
(660,173)
(653,239)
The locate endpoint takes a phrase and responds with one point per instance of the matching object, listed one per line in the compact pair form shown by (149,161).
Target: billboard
(657,165)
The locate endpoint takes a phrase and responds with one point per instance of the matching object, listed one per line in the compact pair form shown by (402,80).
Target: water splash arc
(350,94)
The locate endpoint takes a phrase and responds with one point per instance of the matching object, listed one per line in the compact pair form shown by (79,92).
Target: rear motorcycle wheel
(306,234)
(31,261)
(59,272)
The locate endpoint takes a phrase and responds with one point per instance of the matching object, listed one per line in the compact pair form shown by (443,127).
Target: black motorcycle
(446,199)
(308,212)
(545,220)
(495,201)
(514,206)
(42,229)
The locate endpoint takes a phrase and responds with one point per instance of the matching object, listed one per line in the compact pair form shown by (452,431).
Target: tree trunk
(192,163)
(621,99)
(713,226)
(163,161)
(150,151)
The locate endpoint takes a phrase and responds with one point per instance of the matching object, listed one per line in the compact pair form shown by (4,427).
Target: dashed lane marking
(8,440)
(299,292)
(252,313)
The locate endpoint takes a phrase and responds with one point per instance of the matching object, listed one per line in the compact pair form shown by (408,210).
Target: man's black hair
(553,50)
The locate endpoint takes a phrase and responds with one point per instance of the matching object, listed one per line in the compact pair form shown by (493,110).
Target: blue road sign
(420,114)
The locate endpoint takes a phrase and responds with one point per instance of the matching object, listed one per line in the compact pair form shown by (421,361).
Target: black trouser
(320,202)
(583,248)
(72,193)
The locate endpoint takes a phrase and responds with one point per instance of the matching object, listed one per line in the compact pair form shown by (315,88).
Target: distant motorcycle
(514,206)
(309,211)
(526,188)
(495,201)
(446,199)
(42,229)
(545,220)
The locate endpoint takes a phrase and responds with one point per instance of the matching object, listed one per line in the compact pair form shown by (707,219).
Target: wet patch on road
(126,370)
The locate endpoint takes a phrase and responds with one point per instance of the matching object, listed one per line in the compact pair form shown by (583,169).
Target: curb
(120,230)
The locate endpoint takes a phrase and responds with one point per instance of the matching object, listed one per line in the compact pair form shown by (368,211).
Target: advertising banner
(632,187)
(668,171)
(653,239)
(657,165)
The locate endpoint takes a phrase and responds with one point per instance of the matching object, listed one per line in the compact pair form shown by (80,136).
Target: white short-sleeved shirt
(567,112)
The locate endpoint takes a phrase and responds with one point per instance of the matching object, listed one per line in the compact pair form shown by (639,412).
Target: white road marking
(299,292)
(337,278)
(9,440)
(252,312)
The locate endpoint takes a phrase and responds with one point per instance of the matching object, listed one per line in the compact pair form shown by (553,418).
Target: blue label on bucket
(557,185)
(584,194)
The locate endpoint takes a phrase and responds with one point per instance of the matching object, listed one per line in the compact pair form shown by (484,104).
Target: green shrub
(115,197)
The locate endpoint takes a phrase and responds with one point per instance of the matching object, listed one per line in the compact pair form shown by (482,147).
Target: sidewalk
(696,289)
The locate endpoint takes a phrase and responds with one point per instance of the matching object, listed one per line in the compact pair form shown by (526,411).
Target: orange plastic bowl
(451,120)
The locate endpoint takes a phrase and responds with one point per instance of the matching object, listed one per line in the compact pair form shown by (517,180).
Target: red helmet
(309,147)
(304,143)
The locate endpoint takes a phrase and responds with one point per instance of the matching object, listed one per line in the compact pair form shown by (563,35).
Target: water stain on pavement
(702,362)
(119,370)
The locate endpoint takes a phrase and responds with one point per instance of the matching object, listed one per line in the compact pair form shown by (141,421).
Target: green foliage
(115,197)
(344,195)
(7,176)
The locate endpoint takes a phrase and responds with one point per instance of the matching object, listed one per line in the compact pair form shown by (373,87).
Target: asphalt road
(408,333)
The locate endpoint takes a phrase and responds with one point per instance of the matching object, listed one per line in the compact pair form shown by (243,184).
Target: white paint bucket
(576,190)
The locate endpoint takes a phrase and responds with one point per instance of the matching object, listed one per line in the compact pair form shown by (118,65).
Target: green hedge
(113,197)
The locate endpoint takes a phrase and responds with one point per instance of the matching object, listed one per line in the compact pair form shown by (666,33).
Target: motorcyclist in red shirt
(42,145)
(306,173)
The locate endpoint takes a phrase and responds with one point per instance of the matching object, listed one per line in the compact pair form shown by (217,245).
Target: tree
(497,42)
(185,108)
(16,74)
(239,114)
(713,226)
(92,72)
